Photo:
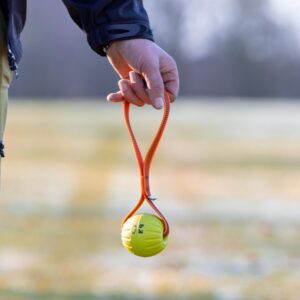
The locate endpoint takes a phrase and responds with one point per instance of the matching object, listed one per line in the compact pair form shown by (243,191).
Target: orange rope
(145,164)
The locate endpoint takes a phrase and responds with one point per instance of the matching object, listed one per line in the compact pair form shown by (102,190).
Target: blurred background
(223,48)
(226,174)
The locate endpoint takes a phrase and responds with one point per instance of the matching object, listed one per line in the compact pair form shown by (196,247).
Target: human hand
(145,70)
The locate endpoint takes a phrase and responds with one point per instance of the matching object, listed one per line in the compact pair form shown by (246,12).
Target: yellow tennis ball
(142,235)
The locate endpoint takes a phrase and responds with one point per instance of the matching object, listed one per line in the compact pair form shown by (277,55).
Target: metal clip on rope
(145,163)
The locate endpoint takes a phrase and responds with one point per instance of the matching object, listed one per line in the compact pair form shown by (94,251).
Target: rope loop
(144,164)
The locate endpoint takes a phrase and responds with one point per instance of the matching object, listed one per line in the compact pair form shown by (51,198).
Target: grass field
(227,176)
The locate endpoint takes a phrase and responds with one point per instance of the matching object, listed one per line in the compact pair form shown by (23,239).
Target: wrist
(128,45)
(101,38)
(106,47)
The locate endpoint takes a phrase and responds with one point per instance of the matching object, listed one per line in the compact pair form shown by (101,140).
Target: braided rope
(145,164)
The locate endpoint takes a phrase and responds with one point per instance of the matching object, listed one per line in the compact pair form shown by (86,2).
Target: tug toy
(145,234)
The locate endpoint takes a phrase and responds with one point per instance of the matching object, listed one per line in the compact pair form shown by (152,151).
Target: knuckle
(150,65)
(157,91)
(157,83)
(126,95)
(171,61)
(157,87)
(137,102)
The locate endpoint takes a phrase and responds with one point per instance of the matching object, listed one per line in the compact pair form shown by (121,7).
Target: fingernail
(158,103)
(132,76)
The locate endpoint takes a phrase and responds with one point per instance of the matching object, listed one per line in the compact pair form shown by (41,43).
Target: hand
(145,70)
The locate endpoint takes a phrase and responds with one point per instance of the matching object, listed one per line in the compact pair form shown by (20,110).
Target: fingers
(171,86)
(149,62)
(170,76)
(139,87)
(115,97)
(135,90)
(126,92)
(155,84)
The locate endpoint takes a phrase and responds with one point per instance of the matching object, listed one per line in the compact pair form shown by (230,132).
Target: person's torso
(14,12)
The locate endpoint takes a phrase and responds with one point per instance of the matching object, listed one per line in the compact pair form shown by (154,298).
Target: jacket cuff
(99,38)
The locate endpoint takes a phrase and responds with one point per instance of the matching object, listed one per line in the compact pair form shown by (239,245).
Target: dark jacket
(102,20)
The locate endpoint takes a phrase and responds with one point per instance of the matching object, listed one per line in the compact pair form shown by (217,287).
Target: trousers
(5,80)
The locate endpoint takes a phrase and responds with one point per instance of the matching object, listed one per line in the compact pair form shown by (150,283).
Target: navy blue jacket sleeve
(105,21)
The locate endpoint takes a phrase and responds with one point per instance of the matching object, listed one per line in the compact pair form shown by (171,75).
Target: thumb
(155,85)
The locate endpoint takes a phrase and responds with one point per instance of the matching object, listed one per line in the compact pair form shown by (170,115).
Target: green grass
(56,296)
(227,177)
